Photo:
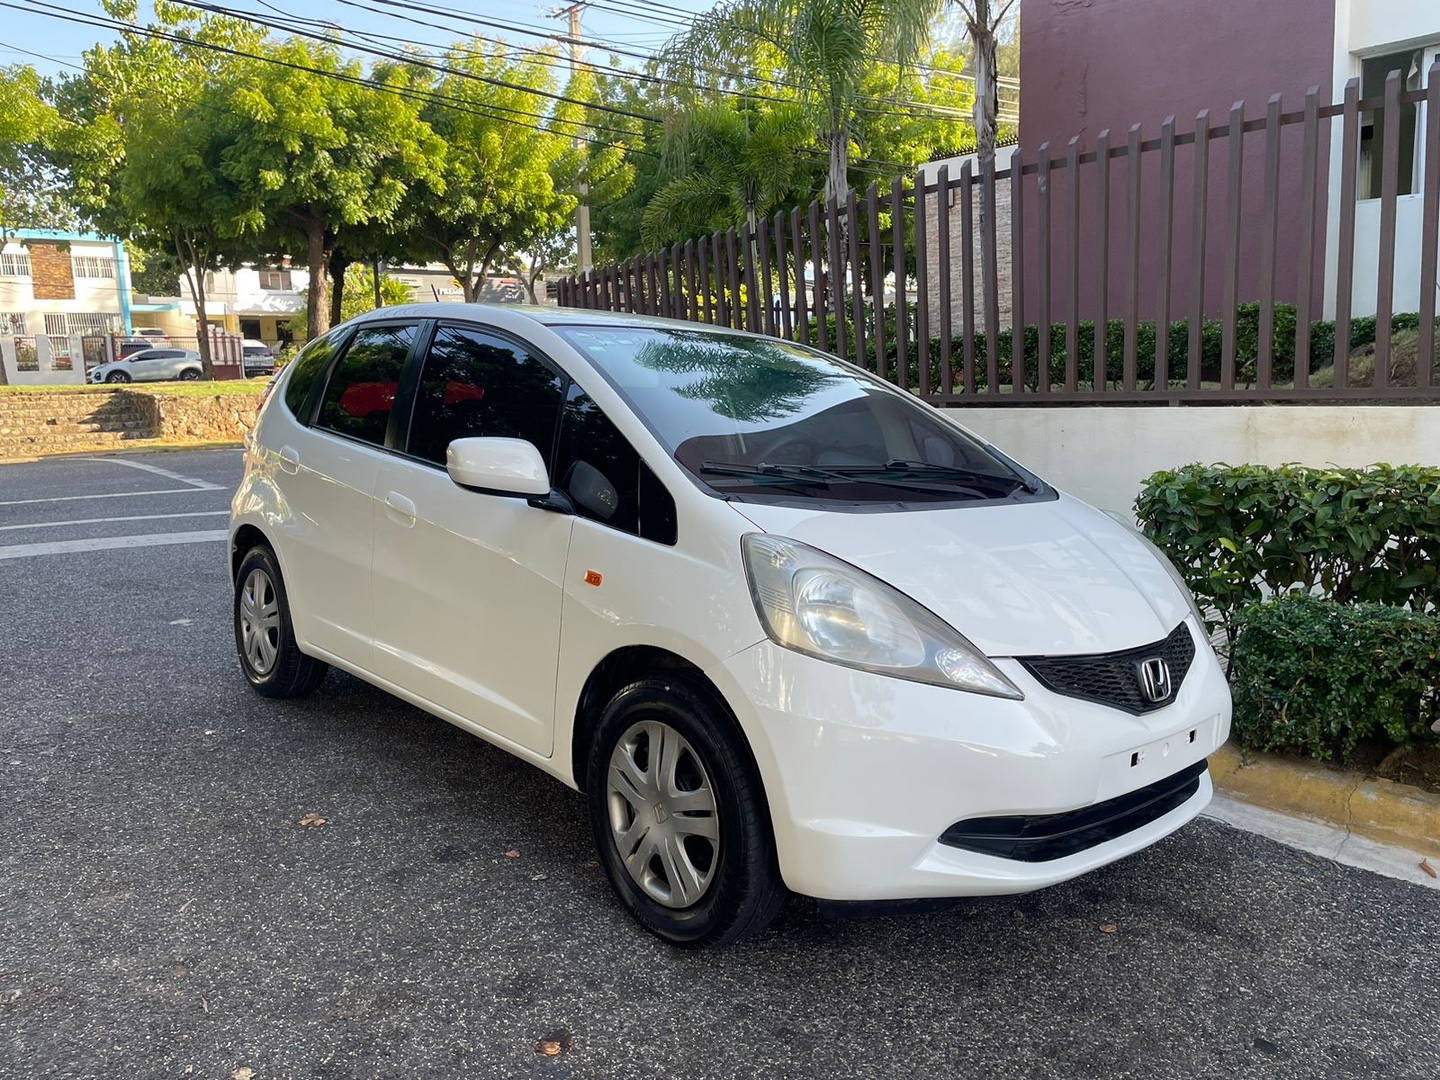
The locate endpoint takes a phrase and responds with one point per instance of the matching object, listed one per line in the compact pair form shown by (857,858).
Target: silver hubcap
(662,814)
(259,621)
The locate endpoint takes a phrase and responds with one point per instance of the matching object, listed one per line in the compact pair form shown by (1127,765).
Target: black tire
(190,374)
(289,673)
(744,892)
(118,377)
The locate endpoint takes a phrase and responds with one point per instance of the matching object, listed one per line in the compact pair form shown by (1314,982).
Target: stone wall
(188,418)
(954,280)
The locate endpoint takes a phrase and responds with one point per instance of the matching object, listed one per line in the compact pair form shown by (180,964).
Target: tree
(359,294)
(497,194)
(824,48)
(738,163)
(29,192)
(982,19)
(314,149)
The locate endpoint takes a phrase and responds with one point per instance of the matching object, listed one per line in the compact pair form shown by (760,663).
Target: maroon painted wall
(1088,65)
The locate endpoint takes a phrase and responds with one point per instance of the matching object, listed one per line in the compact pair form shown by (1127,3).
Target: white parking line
(110,495)
(204,485)
(110,543)
(107,520)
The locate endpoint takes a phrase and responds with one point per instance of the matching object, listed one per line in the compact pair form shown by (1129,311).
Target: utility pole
(582,208)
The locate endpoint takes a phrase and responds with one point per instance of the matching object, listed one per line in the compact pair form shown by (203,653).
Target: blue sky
(637,25)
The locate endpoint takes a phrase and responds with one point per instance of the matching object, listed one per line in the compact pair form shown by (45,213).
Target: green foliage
(1241,533)
(496,191)
(1314,676)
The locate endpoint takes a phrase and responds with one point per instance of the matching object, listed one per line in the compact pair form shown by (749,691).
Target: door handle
(399,509)
(289,459)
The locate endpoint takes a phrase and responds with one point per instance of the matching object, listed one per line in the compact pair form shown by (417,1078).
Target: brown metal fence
(1145,270)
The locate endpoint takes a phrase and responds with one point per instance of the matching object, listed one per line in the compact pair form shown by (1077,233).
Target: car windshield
(764,420)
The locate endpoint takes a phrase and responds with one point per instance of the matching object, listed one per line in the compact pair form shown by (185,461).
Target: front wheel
(679,816)
(189,375)
(118,377)
(264,634)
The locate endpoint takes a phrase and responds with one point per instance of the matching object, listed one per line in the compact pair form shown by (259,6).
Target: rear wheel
(118,377)
(190,374)
(679,816)
(264,635)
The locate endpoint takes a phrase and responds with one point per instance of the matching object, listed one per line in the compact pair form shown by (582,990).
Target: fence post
(1269,215)
(922,291)
(732,260)
(835,273)
(694,312)
(1389,196)
(767,297)
(1042,191)
(1308,167)
(877,277)
(1430,235)
(1100,377)
(1345,268)
(797,254)
(1134,168)
(751,282)
(1167,242)
(1072,266)
(1197,249)
(822,332)
(967,280)
(942,273)
(1233,198)
(857,277)
(782,280)
(990,277)
(902,303)
(1017,272)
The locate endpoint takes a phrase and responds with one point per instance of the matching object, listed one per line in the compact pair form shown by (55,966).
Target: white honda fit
(787,627)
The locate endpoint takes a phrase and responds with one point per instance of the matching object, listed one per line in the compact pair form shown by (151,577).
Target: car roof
(543,315)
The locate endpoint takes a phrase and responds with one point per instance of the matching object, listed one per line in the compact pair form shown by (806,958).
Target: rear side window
(605,477)
(477,384)
(362,389)
(309,366)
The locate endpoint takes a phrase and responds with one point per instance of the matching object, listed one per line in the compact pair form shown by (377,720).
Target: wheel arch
(244,538)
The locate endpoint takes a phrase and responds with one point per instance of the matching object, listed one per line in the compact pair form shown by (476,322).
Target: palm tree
(824,48)
(736,164)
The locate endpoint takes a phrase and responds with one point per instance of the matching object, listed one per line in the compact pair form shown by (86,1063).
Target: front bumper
(864,773)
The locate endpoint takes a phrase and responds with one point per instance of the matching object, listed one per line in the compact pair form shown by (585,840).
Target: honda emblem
(1155,679)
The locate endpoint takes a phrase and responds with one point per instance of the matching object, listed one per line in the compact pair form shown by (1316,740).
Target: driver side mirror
(498,467)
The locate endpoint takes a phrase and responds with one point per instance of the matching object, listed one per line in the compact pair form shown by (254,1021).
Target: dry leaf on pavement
(512,854)
(242,1074)
(548,1047)
(1108,928)
(313,820)
(1425,865)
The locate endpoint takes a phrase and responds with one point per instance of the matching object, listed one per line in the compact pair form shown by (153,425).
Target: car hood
(1022,579)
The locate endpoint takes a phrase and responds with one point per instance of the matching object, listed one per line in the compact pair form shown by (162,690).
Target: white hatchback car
(788,628)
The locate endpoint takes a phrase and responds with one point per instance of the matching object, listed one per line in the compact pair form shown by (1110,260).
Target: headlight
(818,605)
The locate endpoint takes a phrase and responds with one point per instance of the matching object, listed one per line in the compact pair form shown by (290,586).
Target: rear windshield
(762,420)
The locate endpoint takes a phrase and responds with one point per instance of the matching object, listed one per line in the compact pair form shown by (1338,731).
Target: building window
(16,264)
(12,322)
(1412,64)
(62,324)
(275,280)
(93,266)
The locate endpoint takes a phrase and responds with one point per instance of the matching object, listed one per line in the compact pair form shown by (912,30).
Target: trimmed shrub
(1316,677)
(1239,534)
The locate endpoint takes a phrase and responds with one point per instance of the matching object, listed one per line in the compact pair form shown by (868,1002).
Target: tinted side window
(604,476)
(309,366)
(362,389)
(475,384)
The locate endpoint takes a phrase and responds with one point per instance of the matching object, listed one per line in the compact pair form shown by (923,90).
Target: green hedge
(1239,534)
(1247,338)
(1316,677)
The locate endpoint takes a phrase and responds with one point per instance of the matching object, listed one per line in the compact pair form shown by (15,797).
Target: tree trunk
(195,278)
(317,257)
(338,265)
(987,86)
(836,178)
(375,270)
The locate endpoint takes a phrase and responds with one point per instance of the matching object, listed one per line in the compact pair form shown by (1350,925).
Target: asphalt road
(163,914)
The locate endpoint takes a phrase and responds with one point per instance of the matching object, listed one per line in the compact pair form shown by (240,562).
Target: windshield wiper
(894,475)
(900,469)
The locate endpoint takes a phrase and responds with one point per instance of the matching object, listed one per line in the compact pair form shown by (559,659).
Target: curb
(1381,810)
(138,446)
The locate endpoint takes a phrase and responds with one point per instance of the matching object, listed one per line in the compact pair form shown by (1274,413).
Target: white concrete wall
(1104,454)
